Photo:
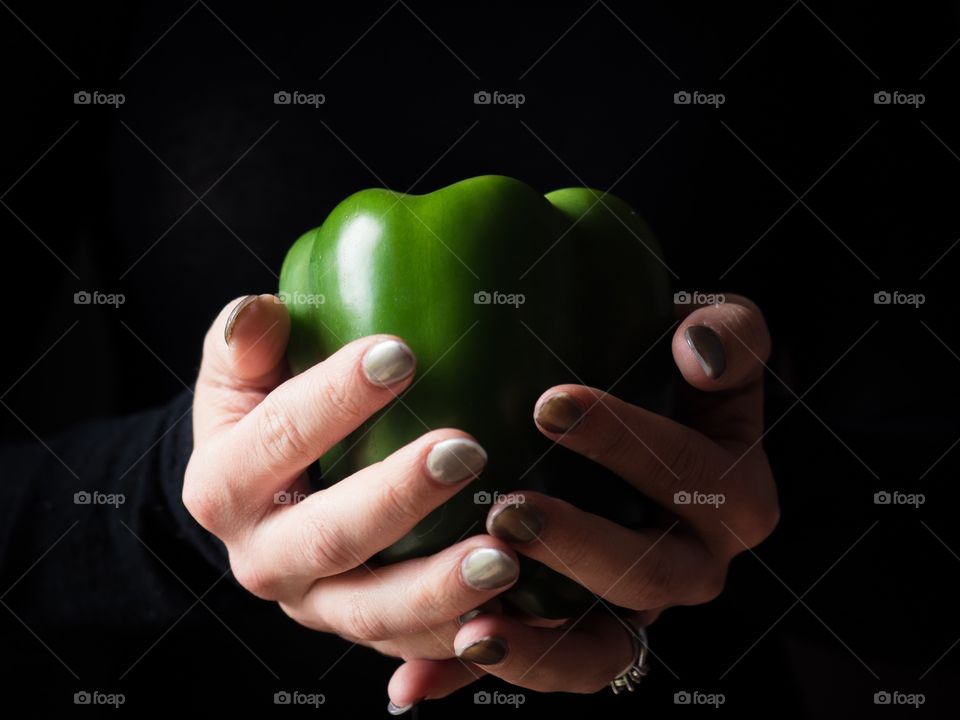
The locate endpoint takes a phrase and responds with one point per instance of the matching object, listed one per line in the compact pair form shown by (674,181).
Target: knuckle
(341,399)
(303,613)
(360,622)
(650,582)
(576,546)
(710,587)
(762,524)
(279,437)
(399,505)
(614,440)
(202,504)
(325,548)
(683,466)
(433,598)
(253,577)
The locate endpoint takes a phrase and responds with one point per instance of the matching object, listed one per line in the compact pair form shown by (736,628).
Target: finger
(657,455)
(303,418)
(243,359)
(340,527)
(723,349)
(374,604)
(434,643)
(634,569)
(418,680)
(583,658)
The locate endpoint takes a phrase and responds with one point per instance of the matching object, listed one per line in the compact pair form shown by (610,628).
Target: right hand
(256,430)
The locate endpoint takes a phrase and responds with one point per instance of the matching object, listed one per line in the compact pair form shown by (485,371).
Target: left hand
(721,351)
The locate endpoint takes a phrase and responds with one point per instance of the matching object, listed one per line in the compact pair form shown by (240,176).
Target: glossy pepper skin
(501,292)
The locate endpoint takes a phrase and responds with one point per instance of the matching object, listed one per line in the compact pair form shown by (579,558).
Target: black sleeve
(84,513)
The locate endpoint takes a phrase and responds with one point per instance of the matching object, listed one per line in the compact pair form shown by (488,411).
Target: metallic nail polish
(454,460)
(488,569)
(388,362)
(487,651)
(708,349)
(398,709)
(559,413)
(467,617)
(518,522)
(235,315)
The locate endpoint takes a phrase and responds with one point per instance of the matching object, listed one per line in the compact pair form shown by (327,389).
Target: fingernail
(451,461)
(388,362)
(518,522)
(467,617)
(235,315)
(559,413)
(486,651)
(708,349)
(488,569)
(398,709)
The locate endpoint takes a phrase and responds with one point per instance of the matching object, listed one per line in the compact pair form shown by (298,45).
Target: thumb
(243,360)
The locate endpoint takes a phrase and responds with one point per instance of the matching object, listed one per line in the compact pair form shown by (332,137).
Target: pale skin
(256,429)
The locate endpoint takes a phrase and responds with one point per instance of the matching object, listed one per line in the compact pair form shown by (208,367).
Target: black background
(846,599)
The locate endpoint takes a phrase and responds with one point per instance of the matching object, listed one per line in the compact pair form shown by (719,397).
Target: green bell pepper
(500,292)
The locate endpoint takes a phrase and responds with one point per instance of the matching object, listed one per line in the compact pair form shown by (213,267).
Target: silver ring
(639,666)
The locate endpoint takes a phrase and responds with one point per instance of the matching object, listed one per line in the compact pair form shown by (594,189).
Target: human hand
(256,430)
(710,478)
